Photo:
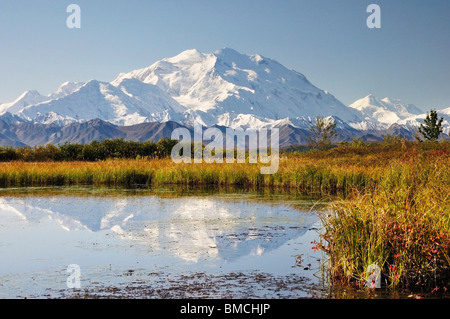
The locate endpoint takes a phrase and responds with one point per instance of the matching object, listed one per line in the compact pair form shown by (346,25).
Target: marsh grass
(402,225)
(305,175)
(339,170)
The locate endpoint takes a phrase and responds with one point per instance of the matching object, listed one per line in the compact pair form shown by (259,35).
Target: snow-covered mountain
(380,114)
(414,121)
(65,89)
(33,97)
(385,111)
(27,98)
(231,89)
(224,88)
(221,88)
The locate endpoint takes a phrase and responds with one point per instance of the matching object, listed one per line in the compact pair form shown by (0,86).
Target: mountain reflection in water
(191,228)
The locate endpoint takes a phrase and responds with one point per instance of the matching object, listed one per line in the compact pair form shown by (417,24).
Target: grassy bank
(302,173)
(341,169)
(402,225)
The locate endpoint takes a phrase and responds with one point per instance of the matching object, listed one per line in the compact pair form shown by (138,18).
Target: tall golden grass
(402,225)
(342,168)
(305,174)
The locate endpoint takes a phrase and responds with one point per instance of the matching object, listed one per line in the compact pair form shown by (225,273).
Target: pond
(164,243)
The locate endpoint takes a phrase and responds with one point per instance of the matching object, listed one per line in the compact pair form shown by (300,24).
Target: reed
(402,225)
(304,175)
(338,170)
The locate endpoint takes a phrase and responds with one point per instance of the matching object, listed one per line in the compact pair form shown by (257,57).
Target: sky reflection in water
(108,236)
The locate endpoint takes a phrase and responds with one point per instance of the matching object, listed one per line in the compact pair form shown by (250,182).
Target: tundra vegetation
(394,208)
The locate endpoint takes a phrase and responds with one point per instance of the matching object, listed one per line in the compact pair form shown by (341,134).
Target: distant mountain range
(223,89)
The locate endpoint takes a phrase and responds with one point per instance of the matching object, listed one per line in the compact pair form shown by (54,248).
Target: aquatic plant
(402,225)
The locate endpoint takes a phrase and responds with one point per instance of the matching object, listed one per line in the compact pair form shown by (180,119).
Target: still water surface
(158,244)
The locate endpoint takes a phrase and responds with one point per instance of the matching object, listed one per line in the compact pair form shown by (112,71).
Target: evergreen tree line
(95,151)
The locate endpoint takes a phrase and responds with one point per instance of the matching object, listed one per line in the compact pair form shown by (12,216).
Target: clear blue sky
(326,40)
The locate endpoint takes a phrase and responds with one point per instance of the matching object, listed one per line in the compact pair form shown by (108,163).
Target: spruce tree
(322,133)
(432,128)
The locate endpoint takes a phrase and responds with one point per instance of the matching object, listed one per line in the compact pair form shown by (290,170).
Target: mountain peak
(187,56)
(29,94)
(67,88)
(229,54)
(27,98)
(224,88)
(387,110)
(226,51)
(370,98)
